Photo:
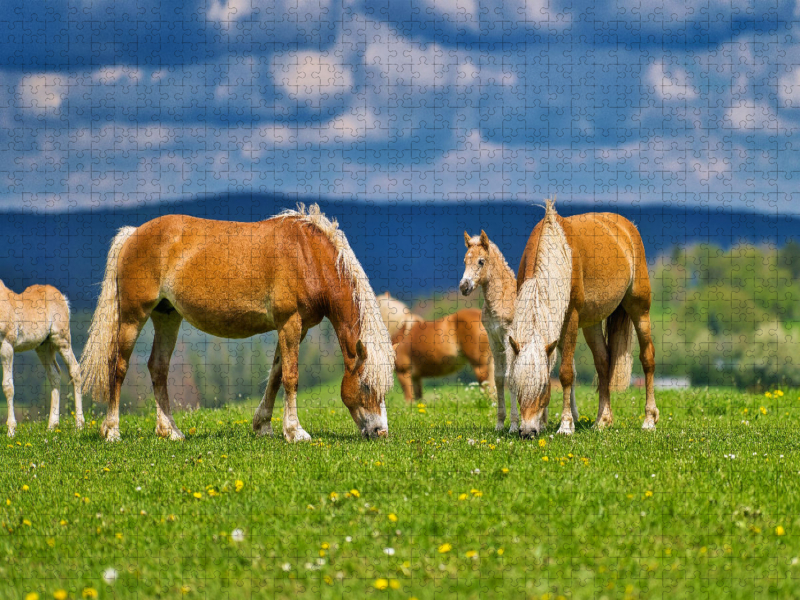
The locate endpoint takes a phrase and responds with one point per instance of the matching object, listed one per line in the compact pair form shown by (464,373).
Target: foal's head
(476,262)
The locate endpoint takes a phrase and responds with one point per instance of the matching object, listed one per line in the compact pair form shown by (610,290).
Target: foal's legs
(7,358)
(63,345)
(166,326)
(262,419)
(289,342)
(597,344)
(47,356)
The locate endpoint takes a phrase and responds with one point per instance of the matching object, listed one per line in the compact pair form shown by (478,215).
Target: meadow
(705,506)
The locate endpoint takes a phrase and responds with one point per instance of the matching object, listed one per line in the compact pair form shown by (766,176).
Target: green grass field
(444,507)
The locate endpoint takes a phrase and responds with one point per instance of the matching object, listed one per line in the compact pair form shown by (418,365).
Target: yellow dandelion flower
(542,443)
(62,522)
(26,522)
(393,517)
(422,411)
(193,430)
(32,596)
(463,496)
(333,496)
(500,551)
(25,488)
(471,554)
(60,595)
(239,485)
(325,545)
(381,584)
(648,494)
(768,395)
(355,493)
(545,459)
(504,470)
(780,530)
(8,501)
(185,589)
(77,495)
(198,495)
(778,393)
(420,405)
(51,542)
(444,548)
(763,410)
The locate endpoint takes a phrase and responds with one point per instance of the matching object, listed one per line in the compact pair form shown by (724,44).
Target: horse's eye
(480,262)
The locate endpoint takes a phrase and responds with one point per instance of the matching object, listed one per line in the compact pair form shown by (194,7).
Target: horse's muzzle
(466,286)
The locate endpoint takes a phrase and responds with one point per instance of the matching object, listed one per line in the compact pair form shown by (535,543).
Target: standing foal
(485,266)
(38,318)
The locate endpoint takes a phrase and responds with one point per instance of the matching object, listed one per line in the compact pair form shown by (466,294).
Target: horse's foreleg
(166,326)
(647,354)
(64,348)
(597,344)
(47,355)
(7,359)
(567,373)
(289,341)
(262,419)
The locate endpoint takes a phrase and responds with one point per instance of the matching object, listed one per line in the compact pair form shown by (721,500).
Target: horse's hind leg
(289,336)
(129,330)
(166,325)
(47,356)
(647,355)
(7,359)
(63,346)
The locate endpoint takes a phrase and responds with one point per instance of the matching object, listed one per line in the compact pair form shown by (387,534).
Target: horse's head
(529,375)
(476,262)
(366,404)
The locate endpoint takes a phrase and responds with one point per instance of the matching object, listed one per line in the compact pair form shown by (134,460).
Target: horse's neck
(344,316)
(500,291)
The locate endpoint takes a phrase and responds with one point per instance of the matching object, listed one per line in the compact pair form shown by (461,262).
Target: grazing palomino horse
(485,266)
(38,318)
(443,347)
(236,280)
(576,273)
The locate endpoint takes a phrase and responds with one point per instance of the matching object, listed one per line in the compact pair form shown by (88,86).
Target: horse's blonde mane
(541,307)
(378,373)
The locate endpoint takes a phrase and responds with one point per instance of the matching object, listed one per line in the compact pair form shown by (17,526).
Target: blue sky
(132,102)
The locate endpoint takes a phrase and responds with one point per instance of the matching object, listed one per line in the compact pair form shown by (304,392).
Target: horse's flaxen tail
(98,361)
(619,336)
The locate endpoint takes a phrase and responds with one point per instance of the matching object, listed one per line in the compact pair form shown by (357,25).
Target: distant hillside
(410,249)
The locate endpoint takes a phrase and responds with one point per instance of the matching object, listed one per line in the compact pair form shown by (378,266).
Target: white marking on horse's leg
(292,430)
(289,339)
(47,355)
(7,359)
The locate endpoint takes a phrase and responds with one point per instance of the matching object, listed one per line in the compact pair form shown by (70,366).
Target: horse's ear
(361,351)
(466,239)
(394,347)
(484,239)
(514,345)
(552,347)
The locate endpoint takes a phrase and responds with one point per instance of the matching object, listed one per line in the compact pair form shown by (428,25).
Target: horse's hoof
(567,428)
(176,435)
(51,426)
(12,431)
(113,436)
(79,423)
(264,430)
(514,428)
(602,424)
(649,424)
(500,427)
(298,435)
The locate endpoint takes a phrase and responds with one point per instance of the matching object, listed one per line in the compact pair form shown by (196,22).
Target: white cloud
(308,75)
(226,11)
(671,83)
(40,92)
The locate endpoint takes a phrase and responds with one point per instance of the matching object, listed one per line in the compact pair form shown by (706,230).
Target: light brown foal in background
(575,273)
(38,319)
(442,347)
(236,280)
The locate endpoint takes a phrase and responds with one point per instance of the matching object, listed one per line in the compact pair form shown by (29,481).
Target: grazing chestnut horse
(236,280)
(443,347)
(576,273)
(38,318)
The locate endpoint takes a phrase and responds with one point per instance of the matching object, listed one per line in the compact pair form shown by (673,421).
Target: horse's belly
(226,322)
